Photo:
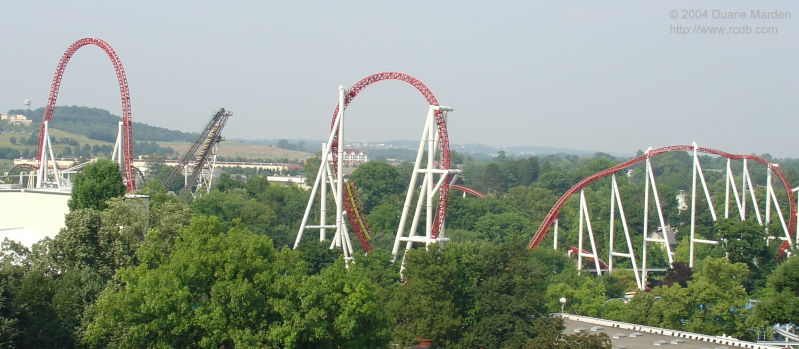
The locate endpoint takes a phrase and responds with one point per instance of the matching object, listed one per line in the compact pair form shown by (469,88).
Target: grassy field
(228,149)
(5,140)
(231,150)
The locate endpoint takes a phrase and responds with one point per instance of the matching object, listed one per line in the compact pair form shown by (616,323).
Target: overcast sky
(612,76)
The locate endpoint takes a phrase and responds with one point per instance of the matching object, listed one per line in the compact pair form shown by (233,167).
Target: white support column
(744,172)
(340,172)
(660,214)
(727,191)
(704,185)
(41,174)
(768,201)
(580,238)
(693,210)
(430,187)
(555,236)
(612,229)
(211,168)
(56,176)
(751,189)
(594,254)
(325,180)
(630,252)
(411,189)
(323,196)
(697,172)
(772,196)
(646,218)
(116,155)
(47,158)
(731,183)
(431,153)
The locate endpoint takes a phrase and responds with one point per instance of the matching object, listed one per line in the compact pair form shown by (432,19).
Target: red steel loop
(553,213)
(127,123)
(441,124)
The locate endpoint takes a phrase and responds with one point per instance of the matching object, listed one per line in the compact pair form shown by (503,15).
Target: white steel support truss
(615,199)
(771,197)
(585,221)
(432,182)
(116,155)
(650,182)
(325,180)
(44,178)
(206,177)
(697,172)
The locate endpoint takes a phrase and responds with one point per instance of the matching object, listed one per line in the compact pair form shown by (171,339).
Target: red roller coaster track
(127,150)
(441,123)
(553,213)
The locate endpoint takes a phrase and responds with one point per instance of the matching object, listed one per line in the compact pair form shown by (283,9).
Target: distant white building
(354,157)
(682,200)
(16,119)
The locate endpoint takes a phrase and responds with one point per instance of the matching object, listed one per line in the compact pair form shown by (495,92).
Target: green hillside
(67,144)
(91,132)
(99,124)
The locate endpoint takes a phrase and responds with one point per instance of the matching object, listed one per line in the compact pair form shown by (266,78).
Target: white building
(16,119)
(354,157)
(28,215)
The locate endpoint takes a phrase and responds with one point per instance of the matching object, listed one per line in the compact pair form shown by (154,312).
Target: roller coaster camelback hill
(519,174)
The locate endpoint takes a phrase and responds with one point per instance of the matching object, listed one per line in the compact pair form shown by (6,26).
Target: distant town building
(682,200)
(394,162)
(19,120)
(669,236)
(354,157)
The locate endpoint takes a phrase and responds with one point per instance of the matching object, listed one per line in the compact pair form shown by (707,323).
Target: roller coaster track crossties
(441,124)
(788,229)
(200,151)
(127,123)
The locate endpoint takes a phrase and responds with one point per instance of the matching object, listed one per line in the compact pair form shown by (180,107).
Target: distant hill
(89,132)
(99,124)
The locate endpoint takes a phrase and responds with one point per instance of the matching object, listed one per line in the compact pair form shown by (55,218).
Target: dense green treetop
(375,182)
(96,183)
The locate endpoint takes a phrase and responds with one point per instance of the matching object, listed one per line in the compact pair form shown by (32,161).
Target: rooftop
(632,336)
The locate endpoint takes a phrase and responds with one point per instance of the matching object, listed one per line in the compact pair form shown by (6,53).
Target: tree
(745,242)
(713,302)
(426,305)
(503,227)
(8,321)
(780,303)
(311,168)
(98,182)
(231,288)
(209,292)
(376,182)
(335,309)
(505,297)
(100,240)
(679,273)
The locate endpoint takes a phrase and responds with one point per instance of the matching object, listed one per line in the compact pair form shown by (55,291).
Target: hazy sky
(612,76)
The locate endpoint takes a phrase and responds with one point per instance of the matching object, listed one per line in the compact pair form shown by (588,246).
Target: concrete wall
(34,211)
